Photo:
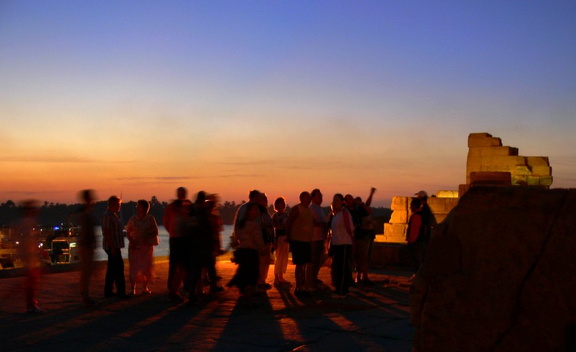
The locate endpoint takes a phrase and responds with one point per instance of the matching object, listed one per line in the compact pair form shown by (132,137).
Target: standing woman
(342,230)
(142,233)
(248,233)
(281,243)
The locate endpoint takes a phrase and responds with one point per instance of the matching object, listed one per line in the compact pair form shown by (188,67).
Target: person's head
(422,195)
(211,202)
(142,207)
(114,203)
(87,196)
(358,201)
(263,200)
(349,201)
(316,196)
(201,197)
(337,202)
(29,207)
(415,204)
(181,193)
(253,195)
(280,204)
(305,198)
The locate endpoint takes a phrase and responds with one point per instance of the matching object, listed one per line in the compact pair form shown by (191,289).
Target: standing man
(428,219)
(268,237)
(173,220)
(318,255)
(113,242)
(415,236)
(364,236)
(300,229)
(86,244)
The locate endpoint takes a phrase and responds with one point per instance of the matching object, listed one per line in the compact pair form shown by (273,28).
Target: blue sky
(145,96)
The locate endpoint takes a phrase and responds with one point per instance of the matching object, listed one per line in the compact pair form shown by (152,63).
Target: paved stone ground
(370,319)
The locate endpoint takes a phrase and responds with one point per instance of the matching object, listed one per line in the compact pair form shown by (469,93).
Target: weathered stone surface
(483,140)
(492,151)
(498,274)
(395,232)
(486,154)
(399,217)
(400,203)
(447,194)
(491,178)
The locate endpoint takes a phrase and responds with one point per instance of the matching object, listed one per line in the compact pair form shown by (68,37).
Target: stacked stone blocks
(486,154)
(395,229)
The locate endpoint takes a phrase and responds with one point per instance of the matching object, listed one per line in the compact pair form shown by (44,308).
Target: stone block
(492,151)
(483,140)
(395,230)
(520,180)
(399,217)
(400,203)
(546,181)
(447,194)
(541,170)
(537,160)
(522,170)
(533,181)
(380,238)
(491,178)
(505,162)
(442,205)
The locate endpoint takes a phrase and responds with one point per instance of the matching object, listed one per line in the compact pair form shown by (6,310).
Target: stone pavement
(369,319)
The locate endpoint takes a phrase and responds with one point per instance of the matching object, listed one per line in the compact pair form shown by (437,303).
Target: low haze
(140,97)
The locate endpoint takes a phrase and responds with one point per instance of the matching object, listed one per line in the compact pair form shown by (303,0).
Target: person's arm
(347,221)
(291,218)
(369,199)
(415,224)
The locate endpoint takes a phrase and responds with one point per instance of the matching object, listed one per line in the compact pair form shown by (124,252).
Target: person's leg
(264,265)
(282,250)
(338,269)
(109,278)
(171,263)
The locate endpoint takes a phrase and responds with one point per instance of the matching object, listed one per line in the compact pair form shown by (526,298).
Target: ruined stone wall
(486,154)
(498,274)
(395,229)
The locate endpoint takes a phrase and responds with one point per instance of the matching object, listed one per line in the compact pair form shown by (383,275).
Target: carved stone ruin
(489,163)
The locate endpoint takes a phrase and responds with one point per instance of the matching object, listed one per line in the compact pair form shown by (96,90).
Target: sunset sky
(140,97)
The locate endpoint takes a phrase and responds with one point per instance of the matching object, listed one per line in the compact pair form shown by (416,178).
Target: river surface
(161,249)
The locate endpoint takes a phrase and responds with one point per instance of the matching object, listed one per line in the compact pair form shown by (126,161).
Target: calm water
(162,248)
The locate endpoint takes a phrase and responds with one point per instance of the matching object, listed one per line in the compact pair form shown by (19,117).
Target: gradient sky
(140,97)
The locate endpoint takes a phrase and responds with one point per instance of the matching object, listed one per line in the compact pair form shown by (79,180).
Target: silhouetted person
(248,234)
(415,235)
(173,220)
(363,237)
(300,229)
(86,243)
(112,243)
(281,243)
(267,237)
(428,218)
(342,235)
(28,239)
(318,254)
(142,232)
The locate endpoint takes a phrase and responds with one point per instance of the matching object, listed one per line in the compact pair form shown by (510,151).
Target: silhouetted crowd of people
(341,239)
